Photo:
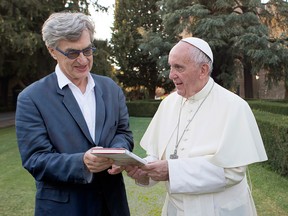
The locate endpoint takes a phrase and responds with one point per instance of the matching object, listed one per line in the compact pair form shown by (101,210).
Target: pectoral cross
(174,155)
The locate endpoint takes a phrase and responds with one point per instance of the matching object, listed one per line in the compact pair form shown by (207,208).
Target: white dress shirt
(86,100)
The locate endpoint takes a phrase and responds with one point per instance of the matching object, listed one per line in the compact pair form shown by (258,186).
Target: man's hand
(116,169)
(135,172)
(138,174)
(96,164)
(158,170)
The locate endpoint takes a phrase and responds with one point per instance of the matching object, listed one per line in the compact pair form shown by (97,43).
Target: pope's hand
(157,170)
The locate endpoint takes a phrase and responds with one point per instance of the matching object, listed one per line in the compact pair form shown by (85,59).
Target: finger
(102,160)
(132,173)
(115,169)
(99,166)
(139,174)
(129,168)
(147,167)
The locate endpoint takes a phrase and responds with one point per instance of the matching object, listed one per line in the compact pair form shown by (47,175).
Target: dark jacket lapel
(73,108)
(100,112)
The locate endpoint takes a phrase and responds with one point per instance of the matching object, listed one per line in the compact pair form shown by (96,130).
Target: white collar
(63,79)
(203,92)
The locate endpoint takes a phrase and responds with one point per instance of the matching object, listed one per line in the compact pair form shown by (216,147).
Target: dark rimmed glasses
(73,54)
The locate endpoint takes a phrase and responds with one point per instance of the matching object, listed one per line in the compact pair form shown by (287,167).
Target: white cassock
(208,178)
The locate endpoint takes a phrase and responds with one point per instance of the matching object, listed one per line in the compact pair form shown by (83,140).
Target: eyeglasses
(73,54)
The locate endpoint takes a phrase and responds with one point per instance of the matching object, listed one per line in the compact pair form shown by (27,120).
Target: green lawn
(17,188)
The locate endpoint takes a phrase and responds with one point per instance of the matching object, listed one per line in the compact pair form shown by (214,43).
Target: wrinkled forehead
(180,52)
(200,44)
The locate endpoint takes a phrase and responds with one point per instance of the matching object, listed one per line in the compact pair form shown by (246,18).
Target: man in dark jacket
(62,116)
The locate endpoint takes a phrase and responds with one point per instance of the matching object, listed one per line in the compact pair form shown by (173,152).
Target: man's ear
(52,52)
(204,71)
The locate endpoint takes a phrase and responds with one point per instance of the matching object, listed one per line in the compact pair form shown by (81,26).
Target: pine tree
(234,30)
(135,24)
(23,54)
(276,63)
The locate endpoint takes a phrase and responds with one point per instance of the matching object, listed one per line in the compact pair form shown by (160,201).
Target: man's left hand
(115,169)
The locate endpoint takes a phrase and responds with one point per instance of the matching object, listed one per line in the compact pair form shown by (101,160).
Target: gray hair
(66,26)
(200,57)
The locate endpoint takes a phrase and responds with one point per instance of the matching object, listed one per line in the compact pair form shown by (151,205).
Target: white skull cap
(200,44)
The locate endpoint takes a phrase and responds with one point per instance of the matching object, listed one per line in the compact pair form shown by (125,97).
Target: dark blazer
(53,137)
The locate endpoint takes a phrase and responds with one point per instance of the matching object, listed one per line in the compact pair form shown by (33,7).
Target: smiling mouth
(177,84)
(81,68)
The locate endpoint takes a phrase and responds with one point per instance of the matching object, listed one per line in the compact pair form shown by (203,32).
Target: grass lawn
(17,189)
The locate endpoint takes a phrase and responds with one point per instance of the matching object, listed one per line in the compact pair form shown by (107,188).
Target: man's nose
(172,74)
(82,59)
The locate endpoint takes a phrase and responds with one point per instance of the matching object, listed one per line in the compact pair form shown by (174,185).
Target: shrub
(143,108)
(277,107)
(274,131)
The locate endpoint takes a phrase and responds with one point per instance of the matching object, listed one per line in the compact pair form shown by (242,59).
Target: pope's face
(75,69)
(185,74)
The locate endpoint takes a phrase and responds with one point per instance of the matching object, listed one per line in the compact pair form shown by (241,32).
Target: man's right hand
(96,164)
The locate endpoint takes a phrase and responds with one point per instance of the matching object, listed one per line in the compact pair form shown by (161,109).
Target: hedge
(277,107)
(142,108)
(274,131)
(148,108)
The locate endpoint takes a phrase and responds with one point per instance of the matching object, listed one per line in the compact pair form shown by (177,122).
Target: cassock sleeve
(198,176)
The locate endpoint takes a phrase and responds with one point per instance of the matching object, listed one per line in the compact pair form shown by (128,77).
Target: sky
(104,21)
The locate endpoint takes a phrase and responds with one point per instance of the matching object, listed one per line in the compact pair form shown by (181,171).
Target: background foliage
(23,56)
(241,34)
(137,46)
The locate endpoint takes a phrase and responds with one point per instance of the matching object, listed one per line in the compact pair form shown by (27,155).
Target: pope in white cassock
(200,141)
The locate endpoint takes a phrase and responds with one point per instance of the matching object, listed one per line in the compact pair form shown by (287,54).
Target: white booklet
(121,156)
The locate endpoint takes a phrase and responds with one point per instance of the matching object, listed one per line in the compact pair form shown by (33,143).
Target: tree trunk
(286,90)
(4,92)
(248,80)
(151,92)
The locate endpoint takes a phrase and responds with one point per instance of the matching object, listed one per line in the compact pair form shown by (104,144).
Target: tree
(23,54)
(276,64)
(233,29)
(135,21)
(102,64)
(238,35)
